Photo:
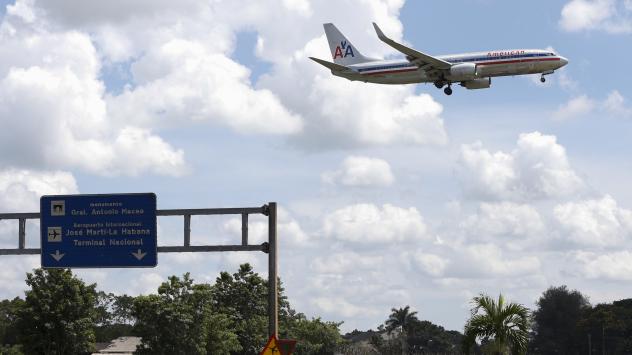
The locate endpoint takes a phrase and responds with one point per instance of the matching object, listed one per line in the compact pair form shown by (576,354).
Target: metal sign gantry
(269,247)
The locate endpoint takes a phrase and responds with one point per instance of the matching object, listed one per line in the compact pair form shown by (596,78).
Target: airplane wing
(330,65)
(425,61)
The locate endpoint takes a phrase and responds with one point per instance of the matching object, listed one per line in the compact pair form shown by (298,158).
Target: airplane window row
(500,57)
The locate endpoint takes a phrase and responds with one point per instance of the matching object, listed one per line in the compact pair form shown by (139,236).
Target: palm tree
(401,318)
(505,326)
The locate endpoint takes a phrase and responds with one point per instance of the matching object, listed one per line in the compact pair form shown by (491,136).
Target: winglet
(379,32)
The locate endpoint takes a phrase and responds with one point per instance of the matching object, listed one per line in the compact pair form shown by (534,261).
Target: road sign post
(98,231)
(56,208)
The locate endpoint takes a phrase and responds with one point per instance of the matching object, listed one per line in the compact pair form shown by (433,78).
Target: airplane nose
(563,61)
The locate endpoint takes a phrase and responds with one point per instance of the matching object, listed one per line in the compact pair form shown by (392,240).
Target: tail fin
(343,52)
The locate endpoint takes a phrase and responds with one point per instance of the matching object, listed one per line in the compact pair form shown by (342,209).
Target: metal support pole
(187,230)
(244,229)
(22,233)
(273,301)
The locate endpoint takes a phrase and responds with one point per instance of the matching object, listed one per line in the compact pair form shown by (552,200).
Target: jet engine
(462,72)
(482,83)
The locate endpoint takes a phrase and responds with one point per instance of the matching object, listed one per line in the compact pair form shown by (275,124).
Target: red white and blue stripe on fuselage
(480,59)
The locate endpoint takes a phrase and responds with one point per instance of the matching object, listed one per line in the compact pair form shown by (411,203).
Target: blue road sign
(93,231)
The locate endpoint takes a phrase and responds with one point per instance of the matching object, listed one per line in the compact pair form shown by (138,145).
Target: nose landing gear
(542,78)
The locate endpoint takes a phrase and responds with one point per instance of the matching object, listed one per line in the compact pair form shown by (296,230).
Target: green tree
(402,319)
(59,314)
(9,310)
(555,321)
(610,328)
(315,337)
(504,325)
(243,296)
(181,319)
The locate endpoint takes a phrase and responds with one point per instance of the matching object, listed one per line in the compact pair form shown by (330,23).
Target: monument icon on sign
(58,208)
(54,234)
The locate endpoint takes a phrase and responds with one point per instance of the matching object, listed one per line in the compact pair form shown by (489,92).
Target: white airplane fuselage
(487,64)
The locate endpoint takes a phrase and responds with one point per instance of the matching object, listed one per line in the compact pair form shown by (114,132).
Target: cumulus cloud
(368,223)
(575,107)
(613,105)
(20,190)
(343,262)
(53,112)
(361,171)
(595,223)
(182,80)
(504,219)
(488,260)
(537,169)
(612,16)
(433,265)
(613,266)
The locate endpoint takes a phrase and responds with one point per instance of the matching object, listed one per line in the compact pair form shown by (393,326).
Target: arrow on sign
(139,255)
(57,256)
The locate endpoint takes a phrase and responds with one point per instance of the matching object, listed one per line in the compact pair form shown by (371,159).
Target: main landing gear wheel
(542,79)
(448,91)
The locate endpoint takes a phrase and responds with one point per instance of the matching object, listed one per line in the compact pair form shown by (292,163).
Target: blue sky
(389,196)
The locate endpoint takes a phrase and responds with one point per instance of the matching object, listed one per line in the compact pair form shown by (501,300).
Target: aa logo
(344,46)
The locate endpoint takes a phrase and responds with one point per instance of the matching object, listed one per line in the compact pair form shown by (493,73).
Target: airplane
(470,70)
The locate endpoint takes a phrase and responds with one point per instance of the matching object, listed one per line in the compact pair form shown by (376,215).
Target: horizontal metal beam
(176,212)
(28,251)
(212,211)
(211,248)
(19,215)
(163,249)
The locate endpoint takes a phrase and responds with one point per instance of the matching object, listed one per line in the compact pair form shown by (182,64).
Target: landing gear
(448,90)
(439,84)
(548,72)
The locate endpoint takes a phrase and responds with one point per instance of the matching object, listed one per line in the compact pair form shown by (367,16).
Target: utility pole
(589,345)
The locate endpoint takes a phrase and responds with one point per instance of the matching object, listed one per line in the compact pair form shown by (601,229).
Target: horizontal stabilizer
(330,65)
(412,54)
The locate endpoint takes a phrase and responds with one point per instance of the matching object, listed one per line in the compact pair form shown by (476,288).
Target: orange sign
(278,347)
(271,347)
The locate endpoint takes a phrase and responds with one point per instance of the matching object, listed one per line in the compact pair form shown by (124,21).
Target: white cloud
(344,262)
(183,80)
(595,223)
(577,106)
(615,104)
(367,223)
(431,264)
(537,169)
(488,260)
(338,306)
(361,171)
(504,219)
(606,15)
(54,116)
(20,190)
(614,266)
